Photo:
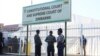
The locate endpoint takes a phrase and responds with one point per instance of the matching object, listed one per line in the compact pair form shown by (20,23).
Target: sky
(11,10)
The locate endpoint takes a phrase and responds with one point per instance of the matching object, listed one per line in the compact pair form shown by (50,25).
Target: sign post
(65,36)
(27,41)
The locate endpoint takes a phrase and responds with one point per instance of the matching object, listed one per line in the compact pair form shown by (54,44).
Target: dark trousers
(50,50)
(84,49)
(60,50)
(37,50)
(1,48)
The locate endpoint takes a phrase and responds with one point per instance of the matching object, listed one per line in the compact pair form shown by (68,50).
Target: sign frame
(68,2)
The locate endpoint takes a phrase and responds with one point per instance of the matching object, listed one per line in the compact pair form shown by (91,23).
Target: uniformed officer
(83,42)
(1,43)
(50,40)
(60,42)
(38,43)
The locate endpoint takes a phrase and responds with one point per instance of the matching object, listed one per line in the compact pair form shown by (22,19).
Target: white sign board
(47,12)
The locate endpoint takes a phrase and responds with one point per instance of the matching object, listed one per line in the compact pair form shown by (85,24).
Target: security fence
(74,32)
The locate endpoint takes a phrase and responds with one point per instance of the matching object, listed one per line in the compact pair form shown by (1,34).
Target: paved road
(16,54)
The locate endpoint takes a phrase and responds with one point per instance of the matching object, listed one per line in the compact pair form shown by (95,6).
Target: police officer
(50,40)
(83,42)
(1,43)
(60,42)
(38,43)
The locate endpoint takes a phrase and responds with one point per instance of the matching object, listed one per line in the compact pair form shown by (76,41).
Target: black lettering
(51,12)
(29,15)
(39,14)
(59,11)
(56,6)
(43,18)
(38,9)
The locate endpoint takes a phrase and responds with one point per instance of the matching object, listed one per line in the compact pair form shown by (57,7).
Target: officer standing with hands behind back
(38,43)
